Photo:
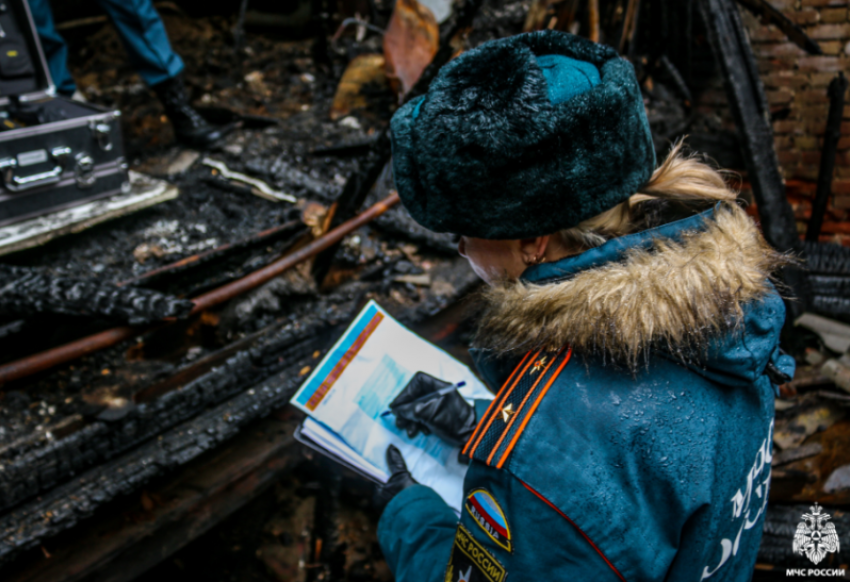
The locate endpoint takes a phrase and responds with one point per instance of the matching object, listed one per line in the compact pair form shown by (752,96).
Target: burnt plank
(749,107)
(39,469)
(752,116)
(832,134)
(124,543)
(771,15)
(63,507)
(25,291)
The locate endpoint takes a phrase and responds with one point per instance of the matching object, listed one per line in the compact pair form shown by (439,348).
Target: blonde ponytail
(680,185)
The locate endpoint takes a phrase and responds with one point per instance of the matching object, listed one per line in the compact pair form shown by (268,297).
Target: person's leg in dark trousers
(144,37)
(55,49)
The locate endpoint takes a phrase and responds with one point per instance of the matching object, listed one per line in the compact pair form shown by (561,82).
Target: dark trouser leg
(145,39)
(144,36)
(55,49)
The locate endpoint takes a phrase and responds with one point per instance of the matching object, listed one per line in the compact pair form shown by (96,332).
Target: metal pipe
(53,357)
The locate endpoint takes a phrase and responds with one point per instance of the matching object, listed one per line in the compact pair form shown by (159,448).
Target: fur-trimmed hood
(676,287)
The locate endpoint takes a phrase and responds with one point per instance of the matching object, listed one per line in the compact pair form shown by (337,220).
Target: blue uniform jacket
(585,467)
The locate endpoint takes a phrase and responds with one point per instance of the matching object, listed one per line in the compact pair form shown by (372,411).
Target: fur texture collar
(675,295)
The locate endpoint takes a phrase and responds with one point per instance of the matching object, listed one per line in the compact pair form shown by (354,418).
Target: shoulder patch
(471,562)
(489,516)
(499,430)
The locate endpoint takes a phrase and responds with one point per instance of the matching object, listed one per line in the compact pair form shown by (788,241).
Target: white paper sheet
(364,371)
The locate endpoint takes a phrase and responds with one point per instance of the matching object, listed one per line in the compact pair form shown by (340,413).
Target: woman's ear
(533,250)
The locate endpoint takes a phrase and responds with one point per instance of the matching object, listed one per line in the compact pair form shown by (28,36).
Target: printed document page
(355,383)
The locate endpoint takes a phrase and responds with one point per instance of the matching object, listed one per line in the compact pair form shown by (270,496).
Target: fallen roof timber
(750,111)
(752,116)
(128,540)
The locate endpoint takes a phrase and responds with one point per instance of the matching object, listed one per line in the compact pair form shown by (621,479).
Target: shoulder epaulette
(501,426)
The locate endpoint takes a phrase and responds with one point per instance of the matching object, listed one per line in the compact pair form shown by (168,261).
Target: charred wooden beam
(121,544)
(836,91)
(770,15)
(291,229)
(827,259)
(34,470)
(328,557)
(239,28)
(25,291)
(747,101)
(831,306)
(60,509)
(629,25)
(750,111)
(678,80)
(283,173)
(347,148)
(593,19)
(829,285)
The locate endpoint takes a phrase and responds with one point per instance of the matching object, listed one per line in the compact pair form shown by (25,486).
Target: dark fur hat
(486,153)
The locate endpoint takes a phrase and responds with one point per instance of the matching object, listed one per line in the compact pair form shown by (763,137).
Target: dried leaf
(363,70)
(410,43)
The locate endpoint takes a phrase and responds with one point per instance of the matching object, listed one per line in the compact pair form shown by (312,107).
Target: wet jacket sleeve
(539,541)
(416,532)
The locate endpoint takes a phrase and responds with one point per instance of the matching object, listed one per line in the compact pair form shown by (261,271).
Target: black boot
(189,127)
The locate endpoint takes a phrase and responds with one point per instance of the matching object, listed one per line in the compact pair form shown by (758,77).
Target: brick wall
(798,81)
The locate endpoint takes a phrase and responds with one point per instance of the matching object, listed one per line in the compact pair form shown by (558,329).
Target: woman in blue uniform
(631,333)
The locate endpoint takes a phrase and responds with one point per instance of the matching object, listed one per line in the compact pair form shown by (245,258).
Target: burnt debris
(28,291)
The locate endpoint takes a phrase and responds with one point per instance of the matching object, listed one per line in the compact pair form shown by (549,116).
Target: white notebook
(346,394)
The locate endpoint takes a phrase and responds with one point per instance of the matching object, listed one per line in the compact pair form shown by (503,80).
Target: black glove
(400,479)
(448,416)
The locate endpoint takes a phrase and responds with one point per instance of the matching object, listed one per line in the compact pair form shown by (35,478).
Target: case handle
(17,183)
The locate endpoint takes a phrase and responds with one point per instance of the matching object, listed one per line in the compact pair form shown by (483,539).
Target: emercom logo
(815,537)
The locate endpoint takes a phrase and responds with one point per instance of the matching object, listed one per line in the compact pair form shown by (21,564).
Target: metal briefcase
(54,152)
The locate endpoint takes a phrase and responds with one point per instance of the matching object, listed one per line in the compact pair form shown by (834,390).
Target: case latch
(84,170)
(102,131)
(15,183)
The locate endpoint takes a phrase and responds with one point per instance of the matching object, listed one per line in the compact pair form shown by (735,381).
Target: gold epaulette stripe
(495,406)
(533,408)
(510,423)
